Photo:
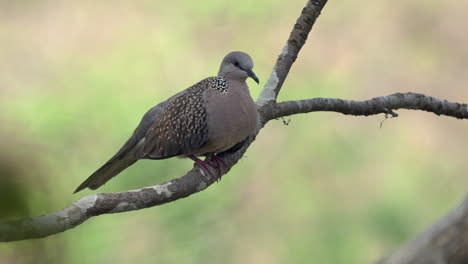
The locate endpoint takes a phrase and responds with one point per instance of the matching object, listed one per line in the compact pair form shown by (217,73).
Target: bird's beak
(252,75)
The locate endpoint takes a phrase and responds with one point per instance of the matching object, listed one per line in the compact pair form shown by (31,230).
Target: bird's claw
(208,165)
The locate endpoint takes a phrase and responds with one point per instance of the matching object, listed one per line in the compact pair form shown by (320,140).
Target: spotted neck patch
(219,84)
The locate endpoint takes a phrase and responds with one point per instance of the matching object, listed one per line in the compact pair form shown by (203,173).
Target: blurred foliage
(12,201)
(77,76)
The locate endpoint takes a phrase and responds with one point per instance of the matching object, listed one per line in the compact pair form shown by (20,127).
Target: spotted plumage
(210,117)
(182,128)
(219,84)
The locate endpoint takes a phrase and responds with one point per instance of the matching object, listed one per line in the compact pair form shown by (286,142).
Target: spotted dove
(214,115)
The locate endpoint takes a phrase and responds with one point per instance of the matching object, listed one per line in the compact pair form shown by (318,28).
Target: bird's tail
(113,167)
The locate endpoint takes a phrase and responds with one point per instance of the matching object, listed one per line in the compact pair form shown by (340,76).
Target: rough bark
(378,105)
(291,49)
(445,242)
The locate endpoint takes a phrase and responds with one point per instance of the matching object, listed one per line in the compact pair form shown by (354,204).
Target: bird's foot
(220,164)
(211,162)
(206,166)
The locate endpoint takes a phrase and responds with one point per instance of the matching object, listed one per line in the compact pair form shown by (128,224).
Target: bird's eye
(236,64)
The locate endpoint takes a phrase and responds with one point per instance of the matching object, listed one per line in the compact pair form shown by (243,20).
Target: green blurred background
(77,76)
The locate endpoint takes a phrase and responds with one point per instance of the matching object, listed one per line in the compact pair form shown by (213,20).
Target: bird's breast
(231,118)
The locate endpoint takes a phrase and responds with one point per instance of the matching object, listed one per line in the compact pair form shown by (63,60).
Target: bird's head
(238,65)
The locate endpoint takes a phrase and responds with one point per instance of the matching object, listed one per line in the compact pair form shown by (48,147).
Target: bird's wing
(127,155)
(181,126)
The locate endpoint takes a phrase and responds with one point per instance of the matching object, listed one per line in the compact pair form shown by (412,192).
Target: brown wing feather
(127,155)
(181,129)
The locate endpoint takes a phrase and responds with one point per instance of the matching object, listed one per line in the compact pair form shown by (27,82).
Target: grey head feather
(237,65)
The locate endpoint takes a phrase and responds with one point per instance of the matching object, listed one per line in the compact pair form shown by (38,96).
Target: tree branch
(378,105)
(291,49)
(445,242)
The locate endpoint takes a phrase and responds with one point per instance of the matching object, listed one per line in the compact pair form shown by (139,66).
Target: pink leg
(219,163)
(211,163)
(204,165)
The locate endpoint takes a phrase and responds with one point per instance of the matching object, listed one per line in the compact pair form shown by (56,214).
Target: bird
(213,116)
